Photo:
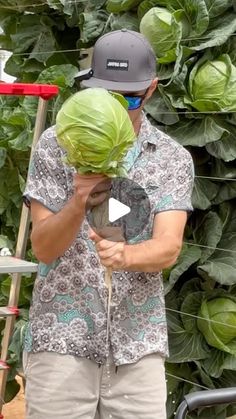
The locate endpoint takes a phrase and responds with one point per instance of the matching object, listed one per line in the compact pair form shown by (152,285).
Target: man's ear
(152,88)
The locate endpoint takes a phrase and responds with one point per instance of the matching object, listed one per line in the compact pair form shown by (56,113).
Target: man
(72,370)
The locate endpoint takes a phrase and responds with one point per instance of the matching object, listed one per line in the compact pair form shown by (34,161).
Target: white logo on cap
(117,64)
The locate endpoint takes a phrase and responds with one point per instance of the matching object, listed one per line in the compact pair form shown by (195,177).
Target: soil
(16,408)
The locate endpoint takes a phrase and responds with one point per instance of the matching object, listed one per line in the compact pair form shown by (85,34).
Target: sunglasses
(134,102)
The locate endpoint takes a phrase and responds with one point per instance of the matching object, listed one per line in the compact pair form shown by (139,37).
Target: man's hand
(91,190)
(111,253)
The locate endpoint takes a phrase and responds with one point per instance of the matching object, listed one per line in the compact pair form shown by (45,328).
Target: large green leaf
(17,129)
(224,149)
(92,25)
(117,6)
(3,195)
(204,192)
(189,310)
(146,5)
(197,15)
(21,6)
(217,362)
(170,4)
(227,214)
(165,71)
(221,266)
(208,234)
(13,66)
(26,283)
(12,189)
(67,7)
(226,192)
(35,33)
(3,155)
(124,20)
(179,379)
(191,286)
(188,256)
(17,340)
(221,29)
(175,88)
(184,346)
(12,389)
(223,170)
(62,75)
(196,132)
(161,110)
(22,141)
(200,372)
(217,7)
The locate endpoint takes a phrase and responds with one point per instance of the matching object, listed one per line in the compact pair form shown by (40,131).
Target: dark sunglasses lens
(134,102)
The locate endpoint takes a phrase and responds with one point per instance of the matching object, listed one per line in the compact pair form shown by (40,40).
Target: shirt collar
(146,134)
(146,137)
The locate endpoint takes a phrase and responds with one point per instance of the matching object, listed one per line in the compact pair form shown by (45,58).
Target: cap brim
(117,86)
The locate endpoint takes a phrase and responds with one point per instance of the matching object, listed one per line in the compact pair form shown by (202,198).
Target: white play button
(117,210)
(126,210)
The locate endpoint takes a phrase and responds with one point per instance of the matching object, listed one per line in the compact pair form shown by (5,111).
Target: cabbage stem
(101,220)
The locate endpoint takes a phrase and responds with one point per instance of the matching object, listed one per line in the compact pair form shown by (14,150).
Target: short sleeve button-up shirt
(68,313)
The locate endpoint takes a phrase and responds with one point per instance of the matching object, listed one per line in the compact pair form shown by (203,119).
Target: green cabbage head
(212,85)
(163,31)
(219,323)
(95,130)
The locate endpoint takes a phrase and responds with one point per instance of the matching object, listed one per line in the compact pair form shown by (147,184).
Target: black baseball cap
(122,60)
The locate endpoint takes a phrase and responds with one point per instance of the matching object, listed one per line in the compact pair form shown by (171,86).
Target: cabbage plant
(212,85)
(164,31)
(95,130)
(217,323)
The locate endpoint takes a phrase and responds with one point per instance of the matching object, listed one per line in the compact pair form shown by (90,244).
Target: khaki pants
(64,386)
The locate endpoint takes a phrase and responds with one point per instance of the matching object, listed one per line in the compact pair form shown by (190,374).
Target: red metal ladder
(16,266)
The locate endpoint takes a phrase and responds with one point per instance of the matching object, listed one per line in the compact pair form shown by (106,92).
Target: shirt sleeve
(178,183)
(47,178)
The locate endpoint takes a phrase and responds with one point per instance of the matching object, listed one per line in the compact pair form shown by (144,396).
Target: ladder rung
(8,311)
(3,365)
(11,264)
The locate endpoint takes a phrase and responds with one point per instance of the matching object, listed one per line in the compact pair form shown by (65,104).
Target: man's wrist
(77,208)
(128,256)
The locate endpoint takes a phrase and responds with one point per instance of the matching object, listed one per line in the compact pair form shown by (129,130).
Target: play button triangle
(117,210)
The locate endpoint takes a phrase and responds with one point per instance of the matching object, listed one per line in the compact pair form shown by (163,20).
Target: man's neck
(137,124)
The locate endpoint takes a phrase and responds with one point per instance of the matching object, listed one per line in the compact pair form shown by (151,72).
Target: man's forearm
(52,236)
(152,255)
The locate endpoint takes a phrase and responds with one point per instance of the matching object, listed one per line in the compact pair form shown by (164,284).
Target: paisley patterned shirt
(68,313)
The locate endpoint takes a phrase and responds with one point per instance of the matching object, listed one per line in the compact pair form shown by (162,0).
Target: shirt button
(145,145)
